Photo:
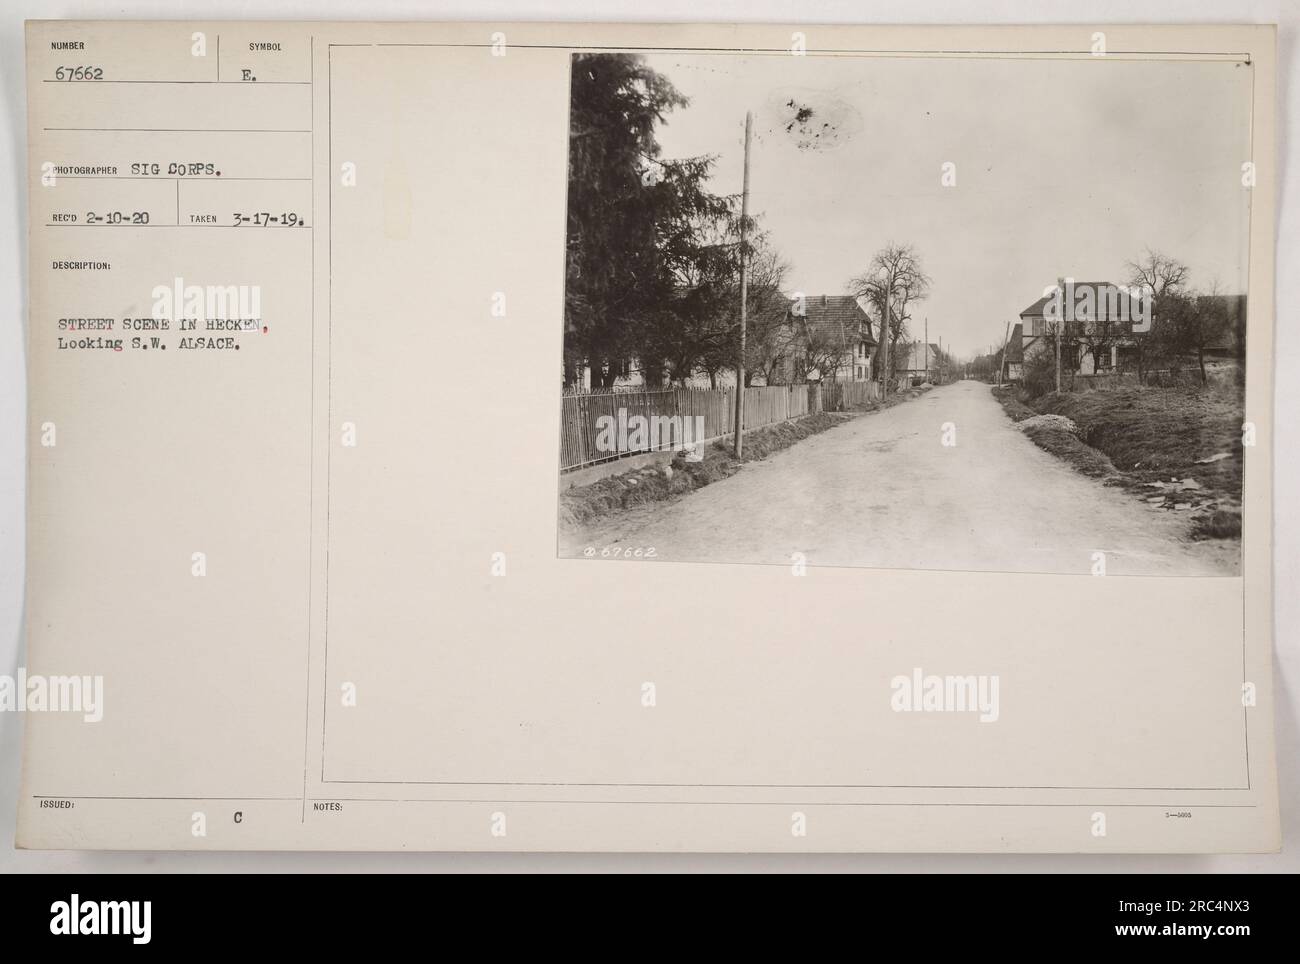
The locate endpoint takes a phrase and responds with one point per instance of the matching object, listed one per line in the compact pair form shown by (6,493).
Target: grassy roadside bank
(581,505)
(1175,448)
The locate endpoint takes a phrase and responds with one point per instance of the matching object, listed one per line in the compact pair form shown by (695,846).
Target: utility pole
(744,290)
(1060,327)
(884,335)
(1006,341)
(925,365)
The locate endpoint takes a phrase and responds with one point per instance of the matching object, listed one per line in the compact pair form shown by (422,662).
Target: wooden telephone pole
(925,365)
(744,290)
(884,336)
(1060,327)
(1006,341)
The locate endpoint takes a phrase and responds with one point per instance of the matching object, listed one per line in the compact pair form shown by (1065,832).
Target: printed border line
(773,786)
(311,443)
(661,803)
(1207,56)
(1250,231)
(1152,56)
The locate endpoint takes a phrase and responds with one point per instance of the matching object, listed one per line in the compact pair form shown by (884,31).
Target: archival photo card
(1060,246)
(987,566)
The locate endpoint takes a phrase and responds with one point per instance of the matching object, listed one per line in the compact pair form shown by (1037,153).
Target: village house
(816,332)
(1099,322)
(827,329)
(916,362)
(1014,369)
(1103,324)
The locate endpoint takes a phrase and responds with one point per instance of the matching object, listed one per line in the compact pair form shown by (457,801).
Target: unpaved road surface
(883,491)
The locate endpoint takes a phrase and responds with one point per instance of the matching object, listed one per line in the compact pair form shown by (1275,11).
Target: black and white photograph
(912,499)
(1060,249)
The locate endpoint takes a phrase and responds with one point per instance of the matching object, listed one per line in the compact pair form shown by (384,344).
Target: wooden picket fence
(600,427)
(843,396)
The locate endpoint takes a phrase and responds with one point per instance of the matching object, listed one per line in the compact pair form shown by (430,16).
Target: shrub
(1039,373)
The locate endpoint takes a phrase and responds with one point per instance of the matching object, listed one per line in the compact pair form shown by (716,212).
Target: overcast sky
(1063,168)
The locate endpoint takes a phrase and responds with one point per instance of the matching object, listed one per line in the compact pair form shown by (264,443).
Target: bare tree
(703,331)
(770,342)
(913,285)
(1196,322)
(1162,278)
(826,349)
(893,280)
(1157,274)
(1097,334)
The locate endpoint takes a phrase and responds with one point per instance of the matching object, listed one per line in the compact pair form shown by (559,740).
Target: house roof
(1099,297)
(912,356)
(1015,350)
(1234,307)
(836,316)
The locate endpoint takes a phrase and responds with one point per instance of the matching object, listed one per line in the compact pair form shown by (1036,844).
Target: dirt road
(883,491)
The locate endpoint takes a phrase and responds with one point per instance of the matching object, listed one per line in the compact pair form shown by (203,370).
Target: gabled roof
(1015,350)
(836,316)
(912,356)
(1099,297)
